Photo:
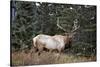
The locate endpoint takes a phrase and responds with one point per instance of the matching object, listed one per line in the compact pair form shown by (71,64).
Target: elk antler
(75,26)
(59,25)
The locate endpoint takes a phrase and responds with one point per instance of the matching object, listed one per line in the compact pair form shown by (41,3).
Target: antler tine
(59,25)
(76,26)
(76,29)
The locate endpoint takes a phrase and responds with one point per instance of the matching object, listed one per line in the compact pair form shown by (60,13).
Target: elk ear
(67,34)
(73,33)
(71,36)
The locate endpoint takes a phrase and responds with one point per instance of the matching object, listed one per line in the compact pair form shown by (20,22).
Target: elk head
(69,35)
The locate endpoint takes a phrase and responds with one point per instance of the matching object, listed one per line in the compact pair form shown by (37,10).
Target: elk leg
(59,53)
(33,49)
(55,50)
(40,49)
(50,50)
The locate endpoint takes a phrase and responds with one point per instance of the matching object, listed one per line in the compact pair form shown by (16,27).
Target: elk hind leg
(40,49)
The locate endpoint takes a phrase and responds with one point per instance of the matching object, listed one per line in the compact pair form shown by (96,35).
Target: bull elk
(56,42)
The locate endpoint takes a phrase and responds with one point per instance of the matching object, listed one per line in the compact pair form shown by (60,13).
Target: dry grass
(22,58)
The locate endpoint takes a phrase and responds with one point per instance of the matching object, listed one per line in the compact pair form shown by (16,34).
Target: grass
(79,52)
(22,58)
